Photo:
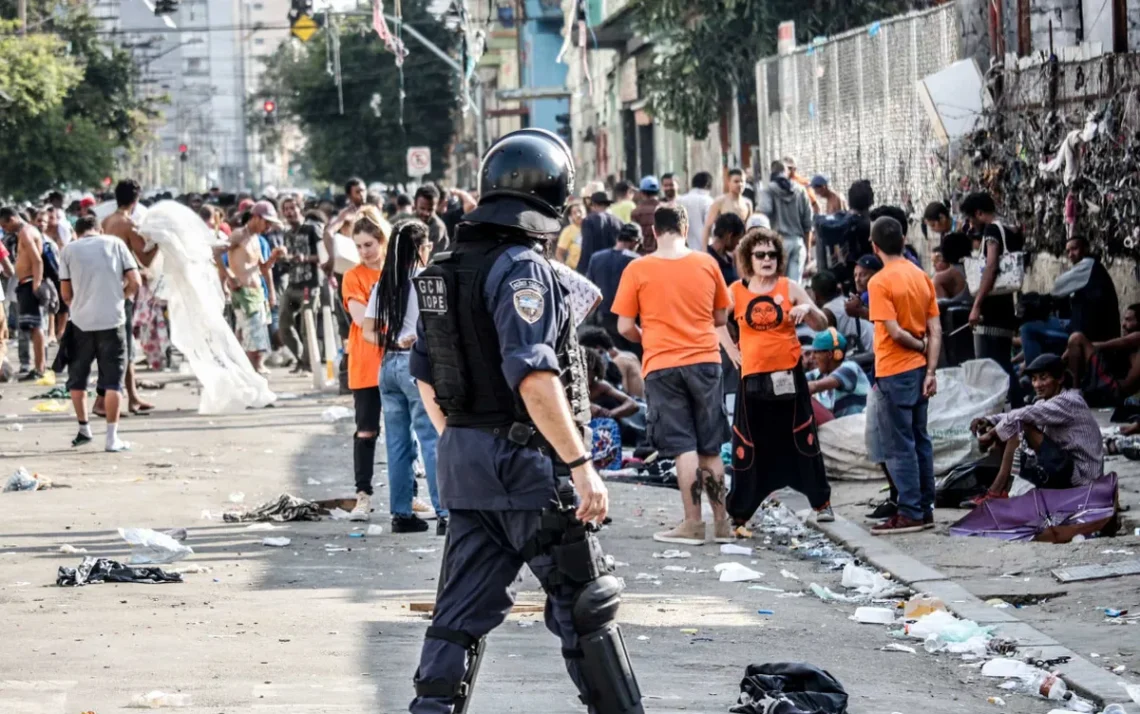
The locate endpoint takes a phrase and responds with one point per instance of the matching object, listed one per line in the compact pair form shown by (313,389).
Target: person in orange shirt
(370,234)
(774,440)
(680,297)
(908,337)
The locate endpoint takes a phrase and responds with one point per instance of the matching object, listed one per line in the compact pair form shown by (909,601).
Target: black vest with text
(462,341)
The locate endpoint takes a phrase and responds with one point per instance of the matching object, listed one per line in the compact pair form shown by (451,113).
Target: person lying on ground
(1054,442)
(1108,372)
(839,385)
(626,364)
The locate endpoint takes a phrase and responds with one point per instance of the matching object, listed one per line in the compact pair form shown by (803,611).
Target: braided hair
(392,292)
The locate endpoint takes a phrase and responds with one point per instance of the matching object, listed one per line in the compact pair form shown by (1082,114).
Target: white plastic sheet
(152,547)
(188,281)
(974,389)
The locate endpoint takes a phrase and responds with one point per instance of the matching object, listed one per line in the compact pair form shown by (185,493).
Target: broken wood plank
(1097,572)
(520,608)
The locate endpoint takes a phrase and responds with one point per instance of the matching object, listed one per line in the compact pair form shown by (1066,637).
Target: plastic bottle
(920,605)
(1045,684)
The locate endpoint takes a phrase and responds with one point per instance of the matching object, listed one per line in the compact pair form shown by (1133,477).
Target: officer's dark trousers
(482,562)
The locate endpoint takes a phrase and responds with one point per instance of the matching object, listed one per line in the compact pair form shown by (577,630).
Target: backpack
(836,232)
(51,261)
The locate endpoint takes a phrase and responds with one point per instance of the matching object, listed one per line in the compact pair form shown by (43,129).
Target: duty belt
(520,434)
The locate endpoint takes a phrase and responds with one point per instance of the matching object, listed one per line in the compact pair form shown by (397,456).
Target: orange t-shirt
(675,299)
(363,356)
(768,341)
(901,292)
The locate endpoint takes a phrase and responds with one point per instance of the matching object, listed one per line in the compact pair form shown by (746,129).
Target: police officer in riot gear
(498,364)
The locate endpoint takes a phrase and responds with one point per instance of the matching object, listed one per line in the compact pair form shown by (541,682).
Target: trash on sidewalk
(920,605)
(151,547)
(15,427)
(1047,685)
(789,574)
(868,582)
(765,588)
(50,407)
(998,603)
(828,595)
(947,627)
(1006,668)
(896,647)
(673,553)
(47,380)
(237,497)
(375,530)
(276,542)
(789,687)
(159,700)
(733,549)
(874,615)
(24,481)
(262,527)
(71,550)
(56,392)
(285,507)
(101,570)
(736,573)
(337,413)
(997,701)
(313,482)
(973,648)
(765,612)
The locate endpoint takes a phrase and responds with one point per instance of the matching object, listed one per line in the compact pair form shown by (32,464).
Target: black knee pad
(596,604)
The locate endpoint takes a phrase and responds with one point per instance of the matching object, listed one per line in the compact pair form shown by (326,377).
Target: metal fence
(847,106)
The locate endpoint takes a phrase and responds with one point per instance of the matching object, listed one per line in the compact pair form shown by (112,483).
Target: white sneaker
(422,508)
(363,510)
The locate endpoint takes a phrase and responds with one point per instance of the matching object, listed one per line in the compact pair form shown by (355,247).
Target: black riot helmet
(525,181)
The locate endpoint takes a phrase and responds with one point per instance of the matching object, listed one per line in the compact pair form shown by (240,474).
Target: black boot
(441,525)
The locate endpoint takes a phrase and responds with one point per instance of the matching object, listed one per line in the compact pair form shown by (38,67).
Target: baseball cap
(826,342)
(600,198)
(266,211)
(818,181)
(87,202)
(870,262)
(245,204)
(649,184)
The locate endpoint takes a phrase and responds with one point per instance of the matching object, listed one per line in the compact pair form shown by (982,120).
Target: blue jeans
(902,414)
(796,253)
(1040,337)
(403,411)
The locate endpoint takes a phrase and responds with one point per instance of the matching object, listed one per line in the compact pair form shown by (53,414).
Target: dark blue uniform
(494,489)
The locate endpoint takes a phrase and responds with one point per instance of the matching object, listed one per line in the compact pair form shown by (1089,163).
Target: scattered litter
(765,588)
(206,515)
(874,615)
(159,700)
(15,427)
(1006,668)
(1118,669)
(789,575)
(998,603)
(733,549)
(947,627)
(996,700)
(285,396)
(334,414)
(52,407)
(24,481)
(689,630)
(100,570)
(1110,612)
(375,530)
(795,594)
(421,550)
(736,573)
(262,527)
(237,497)
(285,507)
(313,482)
(683,569)
(644,576)
(276,542)
(789,687)
(71,550)
(190,569)
(868,582)
(827,594)
(330,548)
(1094,655)
(355,535)
(642,638)
(896,647)
(339,514)
(920,605)
(673,553)
(975,647)
(526,623)
(152,547)
(1115,551)
(765,612)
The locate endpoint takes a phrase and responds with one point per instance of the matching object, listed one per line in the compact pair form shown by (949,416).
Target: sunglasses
(762,254)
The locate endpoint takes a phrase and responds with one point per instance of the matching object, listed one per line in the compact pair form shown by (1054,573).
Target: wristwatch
(583,459)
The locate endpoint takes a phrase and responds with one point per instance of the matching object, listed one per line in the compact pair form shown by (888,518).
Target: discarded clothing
(101,570)
(285,507)
(57,392)
(789,688)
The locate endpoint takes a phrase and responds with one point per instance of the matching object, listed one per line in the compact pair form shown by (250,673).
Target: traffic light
(564,128)
(270,108)
(165,7)
(183,152)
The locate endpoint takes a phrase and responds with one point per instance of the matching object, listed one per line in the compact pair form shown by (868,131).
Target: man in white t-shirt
(97,273)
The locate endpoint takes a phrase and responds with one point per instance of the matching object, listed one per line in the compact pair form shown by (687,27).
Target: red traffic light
(270,106)
(182,148)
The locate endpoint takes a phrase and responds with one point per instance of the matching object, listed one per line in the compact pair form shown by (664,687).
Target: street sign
(303,28)
(419,161)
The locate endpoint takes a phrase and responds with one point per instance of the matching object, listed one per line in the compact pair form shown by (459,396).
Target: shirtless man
(731,202)
(29,277)
(121,224)
(248,275)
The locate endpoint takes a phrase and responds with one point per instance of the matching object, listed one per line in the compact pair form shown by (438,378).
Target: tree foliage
(701,47)
(360,143)
(74,100)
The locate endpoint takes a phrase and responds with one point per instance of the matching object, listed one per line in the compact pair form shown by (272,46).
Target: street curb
(1086,678)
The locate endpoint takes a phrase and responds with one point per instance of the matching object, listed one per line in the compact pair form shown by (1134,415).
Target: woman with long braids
(370,233)
(390,321)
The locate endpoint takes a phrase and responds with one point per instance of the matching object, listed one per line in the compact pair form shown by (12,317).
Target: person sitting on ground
(858,304)
(1054,442)
(609,402)
(1108,372)
(949,273)
(840,385)
(627,365)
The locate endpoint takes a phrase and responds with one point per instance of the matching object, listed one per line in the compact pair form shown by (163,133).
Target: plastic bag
(159,700)
(947,627)
(21,481)
(148,546)
(974,389)
(868,582)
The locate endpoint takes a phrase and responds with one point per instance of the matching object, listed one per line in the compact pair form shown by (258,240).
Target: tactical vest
(463,345)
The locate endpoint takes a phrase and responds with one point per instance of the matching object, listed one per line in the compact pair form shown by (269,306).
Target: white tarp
(188,282)
(974,389)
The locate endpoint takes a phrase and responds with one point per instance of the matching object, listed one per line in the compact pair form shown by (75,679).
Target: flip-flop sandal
(141,410)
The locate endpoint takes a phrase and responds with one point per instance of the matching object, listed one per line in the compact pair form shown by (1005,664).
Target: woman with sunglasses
(390,322)
(774,441)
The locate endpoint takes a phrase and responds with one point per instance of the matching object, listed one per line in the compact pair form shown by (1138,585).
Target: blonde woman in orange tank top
(774,440)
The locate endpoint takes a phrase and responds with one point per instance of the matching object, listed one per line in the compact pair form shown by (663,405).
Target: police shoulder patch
(529,304)
(528,283)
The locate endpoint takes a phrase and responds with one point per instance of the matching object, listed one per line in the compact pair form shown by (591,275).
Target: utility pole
(22,13)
